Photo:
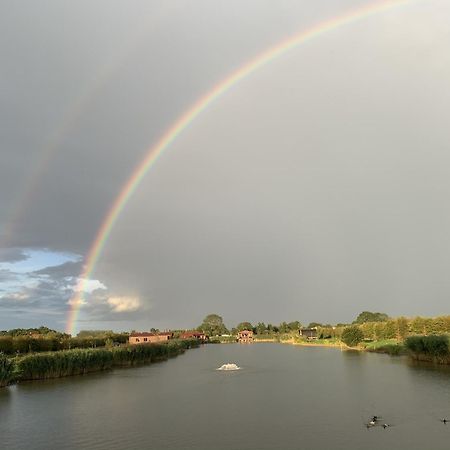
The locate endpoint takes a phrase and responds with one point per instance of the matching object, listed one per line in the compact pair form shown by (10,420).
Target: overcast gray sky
(316,188)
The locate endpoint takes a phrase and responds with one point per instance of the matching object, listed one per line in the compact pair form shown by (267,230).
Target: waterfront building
(308,333)
(245,336)
(147,338)
(194,335)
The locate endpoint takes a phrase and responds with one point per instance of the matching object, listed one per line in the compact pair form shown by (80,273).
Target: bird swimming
(444,421)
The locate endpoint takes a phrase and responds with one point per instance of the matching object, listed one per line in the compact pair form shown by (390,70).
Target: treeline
(20,343)
(213,325)
(43,331)
(39,366)
(399,328)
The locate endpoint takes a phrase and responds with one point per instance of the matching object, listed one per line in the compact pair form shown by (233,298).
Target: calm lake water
(285,397)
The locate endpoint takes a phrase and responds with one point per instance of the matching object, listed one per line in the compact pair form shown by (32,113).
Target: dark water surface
(285,397)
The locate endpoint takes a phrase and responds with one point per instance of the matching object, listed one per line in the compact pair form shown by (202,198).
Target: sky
(314,189)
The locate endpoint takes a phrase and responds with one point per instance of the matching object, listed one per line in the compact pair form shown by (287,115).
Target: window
(145,339)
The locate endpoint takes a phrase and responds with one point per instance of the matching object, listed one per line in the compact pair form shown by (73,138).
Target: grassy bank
(40,366)
(388,346)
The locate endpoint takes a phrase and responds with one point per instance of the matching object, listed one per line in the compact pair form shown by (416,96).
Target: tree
(402,328)
(294,326)
(352,336)
(261,328)
(213,325)
(367,316)
(418,325)
(284,327)
(244,326)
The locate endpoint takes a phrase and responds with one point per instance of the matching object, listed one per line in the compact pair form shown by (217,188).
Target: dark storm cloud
(62,271)
(314,189)
(12,255)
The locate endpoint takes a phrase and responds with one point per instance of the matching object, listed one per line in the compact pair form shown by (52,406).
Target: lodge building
(245,336)
(194,335)
(148,338)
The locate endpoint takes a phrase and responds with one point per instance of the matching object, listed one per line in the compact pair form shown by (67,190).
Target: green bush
(436,346)
(7,370)
(352,336)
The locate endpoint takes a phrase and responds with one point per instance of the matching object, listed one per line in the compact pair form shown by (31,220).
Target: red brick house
(194,335)
(148,338)
(245,336)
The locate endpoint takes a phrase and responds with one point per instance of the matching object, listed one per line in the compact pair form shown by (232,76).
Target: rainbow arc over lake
(185,120)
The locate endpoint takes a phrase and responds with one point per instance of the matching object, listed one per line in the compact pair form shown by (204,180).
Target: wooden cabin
(308,333)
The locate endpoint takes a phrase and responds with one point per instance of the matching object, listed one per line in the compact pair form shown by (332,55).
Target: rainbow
(190,115)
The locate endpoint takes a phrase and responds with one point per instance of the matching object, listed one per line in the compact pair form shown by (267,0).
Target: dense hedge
(39,366)
(434,346)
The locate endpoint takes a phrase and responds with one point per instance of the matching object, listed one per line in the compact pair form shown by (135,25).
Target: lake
(284,397)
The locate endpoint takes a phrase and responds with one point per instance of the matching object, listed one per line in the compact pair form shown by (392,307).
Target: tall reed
(38,366)
(7,370)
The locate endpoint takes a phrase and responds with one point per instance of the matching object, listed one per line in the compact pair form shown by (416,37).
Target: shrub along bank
(429,348)
(40,366)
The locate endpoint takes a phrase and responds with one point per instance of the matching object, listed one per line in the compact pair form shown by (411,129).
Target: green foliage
(7,370)
(244,326)
(367,316)
(402,328)
(352,336)
(294,326)
(94,333)
(42,331)
(314,325)
(435,346)
(213,325)
(261,328)
(19,344)
(38,366)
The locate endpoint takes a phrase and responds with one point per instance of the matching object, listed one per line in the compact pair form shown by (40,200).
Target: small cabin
(149,338)
(194,335)
(308,333)
(245,336)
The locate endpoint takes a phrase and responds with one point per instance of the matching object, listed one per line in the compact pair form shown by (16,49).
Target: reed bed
(41,366)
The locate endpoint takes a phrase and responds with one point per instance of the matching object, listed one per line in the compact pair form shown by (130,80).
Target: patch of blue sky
(39,259)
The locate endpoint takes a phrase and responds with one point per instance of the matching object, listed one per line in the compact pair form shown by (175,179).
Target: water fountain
(228,366)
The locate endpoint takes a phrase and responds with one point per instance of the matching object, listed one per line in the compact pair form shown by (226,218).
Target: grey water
(284,397)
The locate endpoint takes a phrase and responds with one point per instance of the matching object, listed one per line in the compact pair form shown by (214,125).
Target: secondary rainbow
(190,115)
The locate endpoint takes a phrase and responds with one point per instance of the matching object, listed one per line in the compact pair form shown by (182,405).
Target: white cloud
(77,301)
(124,304)
(86,285)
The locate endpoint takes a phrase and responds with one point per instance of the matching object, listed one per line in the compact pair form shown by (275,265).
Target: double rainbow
(188,118)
